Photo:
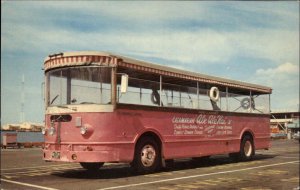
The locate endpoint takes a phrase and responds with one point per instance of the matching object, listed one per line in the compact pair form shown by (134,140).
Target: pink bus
(102,107)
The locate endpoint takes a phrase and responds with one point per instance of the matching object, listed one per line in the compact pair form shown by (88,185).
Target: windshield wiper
(54,99)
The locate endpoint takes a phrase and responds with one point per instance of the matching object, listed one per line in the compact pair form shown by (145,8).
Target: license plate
(56,155)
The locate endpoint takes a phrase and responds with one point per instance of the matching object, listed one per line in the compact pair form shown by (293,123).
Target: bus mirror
(124,83)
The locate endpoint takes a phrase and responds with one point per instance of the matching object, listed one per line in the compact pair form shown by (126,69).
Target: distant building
(26,126)
(284,123)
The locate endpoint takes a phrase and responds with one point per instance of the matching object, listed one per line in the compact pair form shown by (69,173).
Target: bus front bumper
(89,155)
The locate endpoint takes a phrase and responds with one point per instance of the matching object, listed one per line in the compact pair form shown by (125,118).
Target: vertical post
(250,107)
(160,89)
(68,86)
(60,88)
(197,95)
(101,89)
(141,95)
(220,102)
(47,92)
(113,86)
(118,95)
(172,98)
(270,104)
(179,97)
(227,98)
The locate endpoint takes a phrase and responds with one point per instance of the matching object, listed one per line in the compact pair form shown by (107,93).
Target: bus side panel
(114,135)
(201,134)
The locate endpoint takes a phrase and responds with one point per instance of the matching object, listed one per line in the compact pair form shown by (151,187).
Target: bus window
(139,91)
(179,96)
(248,103)
(82,85)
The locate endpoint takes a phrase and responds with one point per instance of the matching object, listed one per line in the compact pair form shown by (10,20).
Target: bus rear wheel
(147,156)
(92,166)
(247,150)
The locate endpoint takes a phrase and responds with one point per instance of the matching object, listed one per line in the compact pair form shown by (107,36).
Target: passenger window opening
(141,91)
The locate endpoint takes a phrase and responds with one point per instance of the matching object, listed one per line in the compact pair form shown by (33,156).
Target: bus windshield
(80,85)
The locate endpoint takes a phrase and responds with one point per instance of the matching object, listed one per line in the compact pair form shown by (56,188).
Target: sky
(256,42)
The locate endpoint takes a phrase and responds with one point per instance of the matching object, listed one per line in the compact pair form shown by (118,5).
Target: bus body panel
(113,135)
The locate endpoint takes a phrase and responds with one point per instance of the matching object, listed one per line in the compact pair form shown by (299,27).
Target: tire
(247,150)
(147,156)
(92,166)
(214,94)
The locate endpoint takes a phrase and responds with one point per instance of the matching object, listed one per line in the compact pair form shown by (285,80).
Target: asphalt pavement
(277,168)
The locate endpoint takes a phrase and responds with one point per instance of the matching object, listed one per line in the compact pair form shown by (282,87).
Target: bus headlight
(83,130)
(51,130)
(86,129)
(44,130)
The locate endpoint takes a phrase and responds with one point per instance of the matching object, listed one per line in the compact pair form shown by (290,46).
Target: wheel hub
(248,148)
(148,155)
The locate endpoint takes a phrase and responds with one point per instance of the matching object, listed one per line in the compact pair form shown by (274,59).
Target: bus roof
(86,57)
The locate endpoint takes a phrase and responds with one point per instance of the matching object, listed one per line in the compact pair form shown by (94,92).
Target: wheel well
(247,133)
(153,136)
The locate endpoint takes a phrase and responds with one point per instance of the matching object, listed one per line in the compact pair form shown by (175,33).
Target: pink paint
(114,135)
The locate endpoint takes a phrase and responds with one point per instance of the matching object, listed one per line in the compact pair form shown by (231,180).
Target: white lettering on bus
(183,120)
(217,120)
(209,125)
(201,119)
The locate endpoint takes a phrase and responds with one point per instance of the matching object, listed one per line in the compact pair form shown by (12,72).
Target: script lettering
(203,125)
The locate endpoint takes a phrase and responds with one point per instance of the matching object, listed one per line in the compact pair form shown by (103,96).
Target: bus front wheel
(91,166)
(147,156)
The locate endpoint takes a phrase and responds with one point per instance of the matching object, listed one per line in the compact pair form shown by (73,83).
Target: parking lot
(277,168)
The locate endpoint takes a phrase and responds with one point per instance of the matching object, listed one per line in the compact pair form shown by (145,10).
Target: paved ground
(277,168)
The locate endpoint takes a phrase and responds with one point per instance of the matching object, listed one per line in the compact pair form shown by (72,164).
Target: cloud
(189,32)
(277,45)
(205,46)
(286,68)
(186,47)
(284,80)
